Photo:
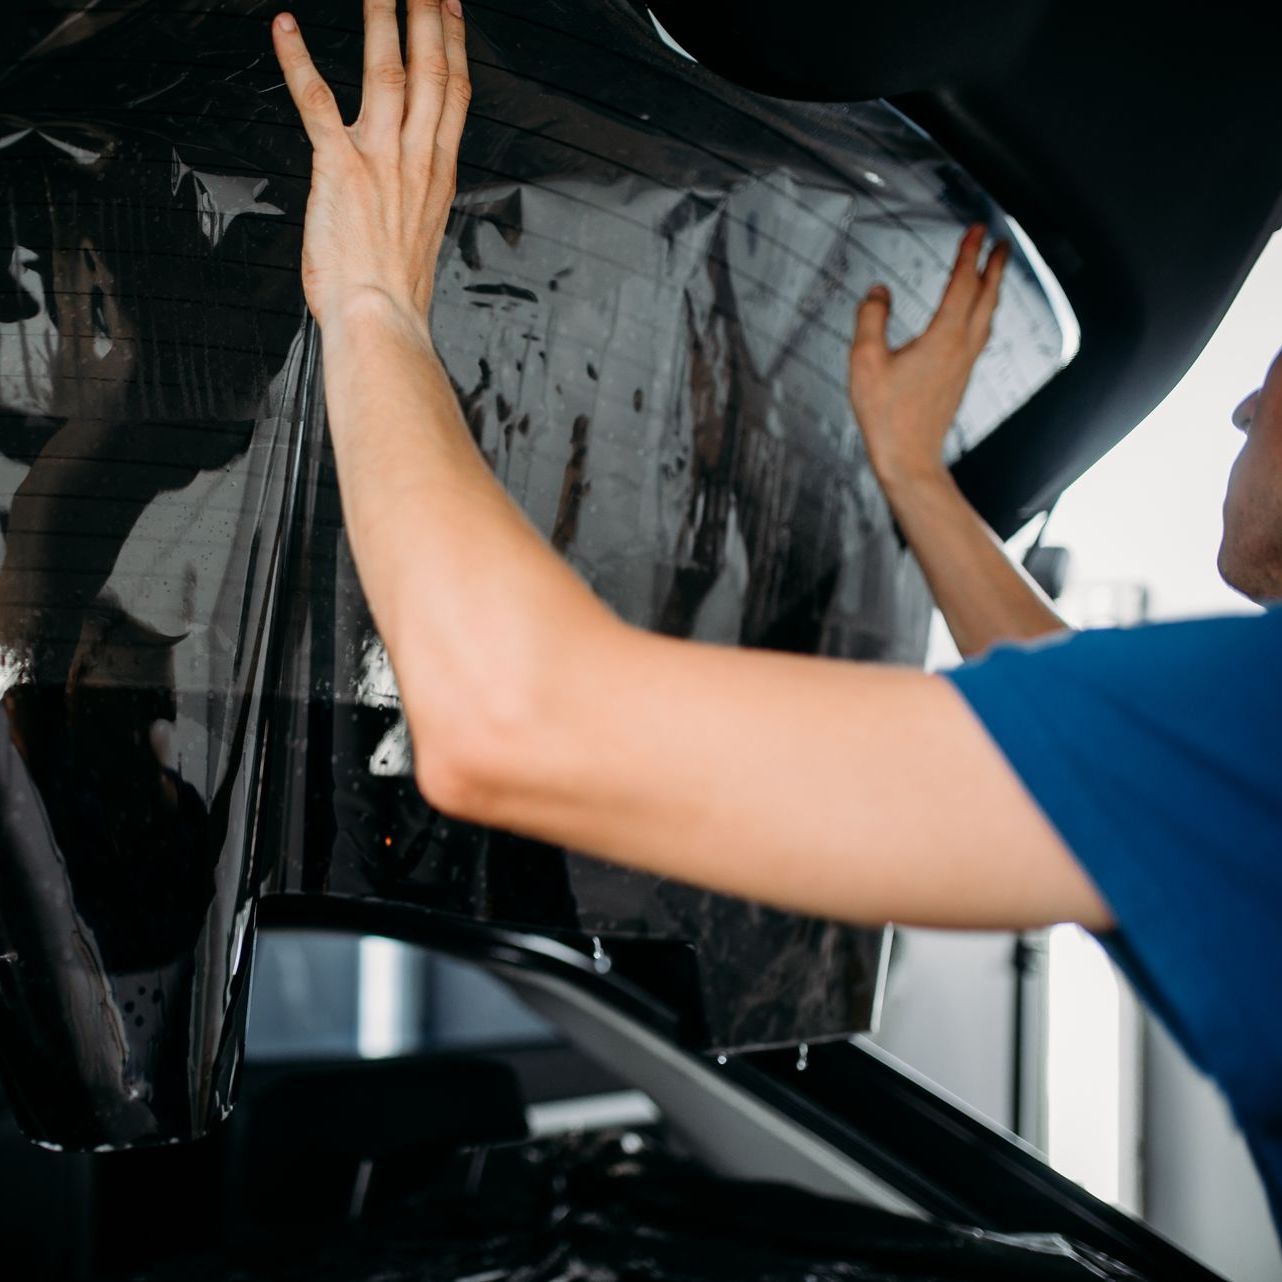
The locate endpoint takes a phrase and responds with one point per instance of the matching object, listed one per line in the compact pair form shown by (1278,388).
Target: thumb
(870,319)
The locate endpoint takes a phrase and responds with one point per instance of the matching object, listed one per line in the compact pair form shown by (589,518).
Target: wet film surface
(644,303)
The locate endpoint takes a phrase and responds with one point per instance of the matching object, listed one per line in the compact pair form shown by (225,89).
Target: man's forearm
(984,596)
(480,617)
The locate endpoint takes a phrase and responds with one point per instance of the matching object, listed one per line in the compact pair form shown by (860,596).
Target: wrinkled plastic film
(644,303)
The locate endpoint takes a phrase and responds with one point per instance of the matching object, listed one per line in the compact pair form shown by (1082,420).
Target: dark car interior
(548,1132)
(665,216)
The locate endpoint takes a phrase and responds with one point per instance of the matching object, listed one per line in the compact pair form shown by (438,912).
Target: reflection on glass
(141,496)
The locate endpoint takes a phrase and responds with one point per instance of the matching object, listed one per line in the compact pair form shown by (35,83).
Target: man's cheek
(1232,491)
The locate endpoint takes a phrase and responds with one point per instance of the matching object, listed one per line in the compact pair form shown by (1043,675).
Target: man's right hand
(906,400)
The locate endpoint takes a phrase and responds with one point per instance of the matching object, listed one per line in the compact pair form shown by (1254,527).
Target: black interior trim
(952,1164)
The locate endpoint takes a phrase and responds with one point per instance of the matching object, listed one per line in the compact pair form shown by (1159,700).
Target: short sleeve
(1156,753)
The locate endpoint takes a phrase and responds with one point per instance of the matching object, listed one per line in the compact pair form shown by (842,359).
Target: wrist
(358,313)
(905,478)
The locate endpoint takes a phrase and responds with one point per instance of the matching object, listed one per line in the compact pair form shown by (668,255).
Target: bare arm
(905,402)
(837,789)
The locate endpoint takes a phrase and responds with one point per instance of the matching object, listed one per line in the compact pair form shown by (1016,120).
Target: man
(1125,781)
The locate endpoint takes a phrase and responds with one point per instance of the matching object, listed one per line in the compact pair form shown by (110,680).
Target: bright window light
(668,40)
(383,1020)
(1092,1070)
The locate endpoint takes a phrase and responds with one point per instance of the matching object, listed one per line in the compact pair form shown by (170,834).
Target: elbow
(475,738)
(468,753)
(455,783)
(497,730)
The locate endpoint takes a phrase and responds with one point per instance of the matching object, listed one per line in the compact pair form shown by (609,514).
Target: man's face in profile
(1251,551)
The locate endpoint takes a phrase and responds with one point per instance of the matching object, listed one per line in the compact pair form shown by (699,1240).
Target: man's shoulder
(1125,735)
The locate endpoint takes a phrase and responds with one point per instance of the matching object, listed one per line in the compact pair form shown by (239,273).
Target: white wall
(1200,1186)
(949,1014)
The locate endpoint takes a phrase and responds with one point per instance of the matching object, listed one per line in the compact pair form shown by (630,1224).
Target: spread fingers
(311,95)
(383,91)
(458,91)
(963,284)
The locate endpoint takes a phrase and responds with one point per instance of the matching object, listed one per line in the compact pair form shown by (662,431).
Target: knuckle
(460,88)
(391,75)
(436,70)
(316,95)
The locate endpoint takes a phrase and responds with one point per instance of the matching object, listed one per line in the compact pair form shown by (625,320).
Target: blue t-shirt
(1156,753)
